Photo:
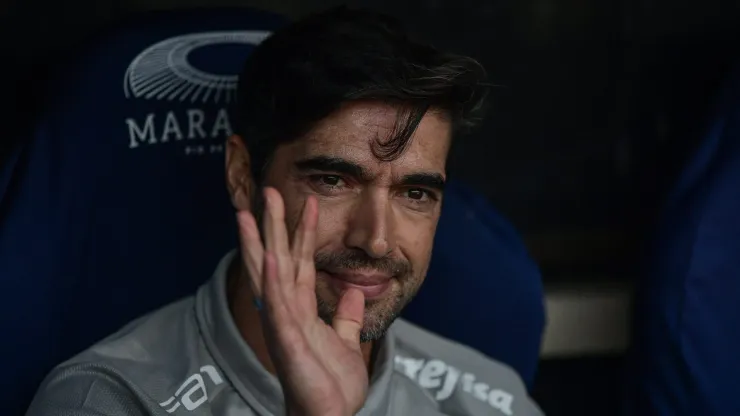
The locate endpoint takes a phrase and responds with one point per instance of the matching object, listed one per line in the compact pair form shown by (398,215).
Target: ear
(239,180)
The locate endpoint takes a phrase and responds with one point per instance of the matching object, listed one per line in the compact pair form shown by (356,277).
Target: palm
(320,367)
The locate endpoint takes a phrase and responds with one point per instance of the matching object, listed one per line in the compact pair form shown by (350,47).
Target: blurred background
(597,107)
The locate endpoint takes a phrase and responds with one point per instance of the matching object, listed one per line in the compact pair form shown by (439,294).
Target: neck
(247,319)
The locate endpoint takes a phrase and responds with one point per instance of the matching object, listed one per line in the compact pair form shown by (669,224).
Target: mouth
(372,284)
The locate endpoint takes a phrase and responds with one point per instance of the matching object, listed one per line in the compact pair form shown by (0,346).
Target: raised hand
(320,367)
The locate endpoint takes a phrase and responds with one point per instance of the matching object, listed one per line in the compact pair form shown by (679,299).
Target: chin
(375,327)
(379,313)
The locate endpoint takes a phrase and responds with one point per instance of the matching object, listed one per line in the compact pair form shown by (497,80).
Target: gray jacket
(188,359)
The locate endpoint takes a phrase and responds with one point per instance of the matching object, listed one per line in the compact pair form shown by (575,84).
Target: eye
(417,194)
(329,180)
(327,183)
(420,196)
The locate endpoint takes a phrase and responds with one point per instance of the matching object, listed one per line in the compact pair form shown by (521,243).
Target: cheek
(332,216)
(332,223)
(293,202)
(416,238)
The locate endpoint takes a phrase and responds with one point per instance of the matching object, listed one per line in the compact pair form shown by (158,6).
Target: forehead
(351,132)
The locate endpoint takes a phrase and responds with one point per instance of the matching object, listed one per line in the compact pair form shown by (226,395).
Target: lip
(373,286)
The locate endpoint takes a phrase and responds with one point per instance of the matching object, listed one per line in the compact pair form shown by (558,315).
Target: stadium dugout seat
(686,340)
(482,289)
(116,204)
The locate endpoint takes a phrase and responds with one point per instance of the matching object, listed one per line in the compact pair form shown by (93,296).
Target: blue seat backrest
(687,334)
(117,204)
(482,288)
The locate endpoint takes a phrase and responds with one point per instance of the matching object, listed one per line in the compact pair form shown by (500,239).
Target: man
(344,127)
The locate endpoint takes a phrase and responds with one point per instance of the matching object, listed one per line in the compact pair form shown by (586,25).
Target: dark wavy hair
(307,70)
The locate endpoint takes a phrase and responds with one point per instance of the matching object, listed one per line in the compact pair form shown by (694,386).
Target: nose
(371,225)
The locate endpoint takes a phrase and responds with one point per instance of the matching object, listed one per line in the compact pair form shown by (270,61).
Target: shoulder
(87,389)
(156,342)
(458,376)
(418,342)
(132,372)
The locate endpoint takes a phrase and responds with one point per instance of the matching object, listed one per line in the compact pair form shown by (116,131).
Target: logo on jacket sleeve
(436,374)
(192,393)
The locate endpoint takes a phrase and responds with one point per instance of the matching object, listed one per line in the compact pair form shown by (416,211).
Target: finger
(282,330)
(275,307)
(304,244)
(279,324)
(252,249)
(276,237)
(348,320)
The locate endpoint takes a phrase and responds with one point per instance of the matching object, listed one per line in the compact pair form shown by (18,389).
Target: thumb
(347,321)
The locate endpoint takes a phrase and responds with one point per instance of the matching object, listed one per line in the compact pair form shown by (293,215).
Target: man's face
(376,219)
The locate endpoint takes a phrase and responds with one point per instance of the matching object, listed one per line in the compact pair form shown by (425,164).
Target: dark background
(599,103)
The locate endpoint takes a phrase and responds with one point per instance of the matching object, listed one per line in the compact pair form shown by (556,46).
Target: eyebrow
(333,164)
(345,167)
(424,180)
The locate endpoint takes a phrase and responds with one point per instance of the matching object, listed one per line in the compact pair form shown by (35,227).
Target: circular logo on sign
(164,72)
